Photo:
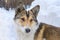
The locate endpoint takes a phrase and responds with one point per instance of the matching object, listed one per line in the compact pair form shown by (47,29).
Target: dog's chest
(25,37)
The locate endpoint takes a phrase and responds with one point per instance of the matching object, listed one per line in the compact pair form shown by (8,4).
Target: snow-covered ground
(49,13)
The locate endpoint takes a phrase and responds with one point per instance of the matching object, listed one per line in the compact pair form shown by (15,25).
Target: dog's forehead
(23,12)
(27,13)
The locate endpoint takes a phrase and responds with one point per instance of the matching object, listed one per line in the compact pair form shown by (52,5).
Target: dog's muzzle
(27,30)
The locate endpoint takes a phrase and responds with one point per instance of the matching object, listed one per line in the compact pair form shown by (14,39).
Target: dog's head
(27,20)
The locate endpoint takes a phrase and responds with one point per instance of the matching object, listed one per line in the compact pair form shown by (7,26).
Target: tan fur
(49,33)
(26,22)
(40,35)
(23,18)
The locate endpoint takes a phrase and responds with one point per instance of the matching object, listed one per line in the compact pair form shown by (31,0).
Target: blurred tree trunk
(13,3)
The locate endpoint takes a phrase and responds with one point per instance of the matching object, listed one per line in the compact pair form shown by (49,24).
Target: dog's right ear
(20,8)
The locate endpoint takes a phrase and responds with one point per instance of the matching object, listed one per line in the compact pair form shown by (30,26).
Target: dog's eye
(31,20)
(22,19)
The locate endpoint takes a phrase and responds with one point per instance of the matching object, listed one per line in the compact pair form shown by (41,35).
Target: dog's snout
(27,30)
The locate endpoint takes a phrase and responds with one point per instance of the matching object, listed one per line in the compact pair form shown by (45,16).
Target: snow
(49,13)
(6,26)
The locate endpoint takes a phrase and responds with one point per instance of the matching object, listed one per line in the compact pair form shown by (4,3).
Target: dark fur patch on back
(37,31)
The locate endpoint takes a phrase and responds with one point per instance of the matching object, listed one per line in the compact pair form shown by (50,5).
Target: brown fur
(26,17)
(39,33)
(49,33)
(26,20)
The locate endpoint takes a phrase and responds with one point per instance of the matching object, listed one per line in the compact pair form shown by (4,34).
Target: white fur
(44,39)
(22,35)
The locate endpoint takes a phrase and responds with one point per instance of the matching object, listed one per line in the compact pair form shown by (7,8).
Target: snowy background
(49,13)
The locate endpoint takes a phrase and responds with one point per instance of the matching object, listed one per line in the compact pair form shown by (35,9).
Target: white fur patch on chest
(26,37)
(44,39)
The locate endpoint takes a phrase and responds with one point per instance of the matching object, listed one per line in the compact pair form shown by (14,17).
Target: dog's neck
(22,36)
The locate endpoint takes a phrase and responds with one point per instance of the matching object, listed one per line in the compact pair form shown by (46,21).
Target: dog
(47,32)
(26,22)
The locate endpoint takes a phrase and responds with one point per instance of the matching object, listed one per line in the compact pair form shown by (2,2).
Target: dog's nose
(27,30)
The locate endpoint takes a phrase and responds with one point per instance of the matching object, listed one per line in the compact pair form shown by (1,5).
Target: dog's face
(27,20)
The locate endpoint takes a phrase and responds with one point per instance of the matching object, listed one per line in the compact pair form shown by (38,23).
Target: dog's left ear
(35,10)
